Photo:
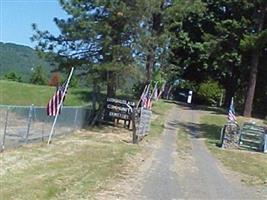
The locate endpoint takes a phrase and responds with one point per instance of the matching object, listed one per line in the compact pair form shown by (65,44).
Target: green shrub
(209,92)
(74,82)
(12,76)
(38,76)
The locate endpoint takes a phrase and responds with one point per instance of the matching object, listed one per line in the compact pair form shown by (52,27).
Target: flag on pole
(152,95)
(231,112)
(156,94)
(54,102)
(146,98)
(149,100)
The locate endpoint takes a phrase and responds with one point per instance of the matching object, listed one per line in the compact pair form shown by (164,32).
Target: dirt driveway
(162,172)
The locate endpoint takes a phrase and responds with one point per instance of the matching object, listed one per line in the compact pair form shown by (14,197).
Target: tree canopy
(219,44)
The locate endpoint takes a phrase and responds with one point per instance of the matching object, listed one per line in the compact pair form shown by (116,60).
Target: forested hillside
(20,59)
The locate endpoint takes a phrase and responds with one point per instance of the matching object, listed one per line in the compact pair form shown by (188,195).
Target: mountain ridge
(21,59)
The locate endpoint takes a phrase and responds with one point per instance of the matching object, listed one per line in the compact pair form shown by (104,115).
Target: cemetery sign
(119,108)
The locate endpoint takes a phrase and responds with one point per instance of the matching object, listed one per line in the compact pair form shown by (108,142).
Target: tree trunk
(149,66)
(229,93)
(169,91)
(94,95)
(254,67)
(252,84)
(231,85)
(111,84)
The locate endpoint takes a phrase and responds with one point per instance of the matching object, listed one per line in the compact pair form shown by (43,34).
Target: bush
(74,82)
(55,79)
(38,77)
(12,76)
(209,92)
(138,89)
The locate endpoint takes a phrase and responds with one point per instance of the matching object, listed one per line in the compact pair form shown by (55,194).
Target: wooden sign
(119,108)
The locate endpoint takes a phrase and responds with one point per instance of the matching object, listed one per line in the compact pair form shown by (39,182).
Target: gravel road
(161,182)
(167,175)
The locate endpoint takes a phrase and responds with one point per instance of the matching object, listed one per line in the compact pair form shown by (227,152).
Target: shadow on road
(198,130)
(208,131)
(186,106)
(195,130)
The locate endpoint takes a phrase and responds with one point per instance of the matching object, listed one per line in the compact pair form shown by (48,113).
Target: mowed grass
(252,165)
(74,166)
(14,93)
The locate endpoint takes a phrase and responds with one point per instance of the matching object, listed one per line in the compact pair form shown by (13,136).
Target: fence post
(29,123)
(135,137)
(4,136)
(75,118)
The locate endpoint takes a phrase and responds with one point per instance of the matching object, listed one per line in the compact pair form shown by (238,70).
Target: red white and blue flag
(54,103)
(145,98)
(231,112)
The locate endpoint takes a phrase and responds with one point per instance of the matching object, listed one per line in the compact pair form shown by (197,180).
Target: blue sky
(16,17)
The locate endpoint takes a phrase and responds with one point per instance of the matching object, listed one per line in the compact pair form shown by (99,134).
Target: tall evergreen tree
(97,33)
(152,43)
(207,44)
(255,41)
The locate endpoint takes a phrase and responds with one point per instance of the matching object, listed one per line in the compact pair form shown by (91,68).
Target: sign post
(135,137)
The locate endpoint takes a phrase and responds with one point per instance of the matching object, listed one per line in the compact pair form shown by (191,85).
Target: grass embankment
(252,165)
(14,93)
(72,167)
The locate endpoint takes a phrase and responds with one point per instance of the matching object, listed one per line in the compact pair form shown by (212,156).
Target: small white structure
(189,98)
(265,144)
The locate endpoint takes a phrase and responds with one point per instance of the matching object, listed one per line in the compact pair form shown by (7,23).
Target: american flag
(146,101)
(231,112)
(149,101)
(54,102)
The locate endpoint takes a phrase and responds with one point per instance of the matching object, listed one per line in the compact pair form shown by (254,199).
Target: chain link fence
(27,124)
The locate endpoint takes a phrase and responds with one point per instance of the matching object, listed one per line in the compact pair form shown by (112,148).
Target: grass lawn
(252,165)
(160,111)
(73,166)
(14,93)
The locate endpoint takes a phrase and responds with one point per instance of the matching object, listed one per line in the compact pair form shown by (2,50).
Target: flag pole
(141,96)
(154,89)
(59,106)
